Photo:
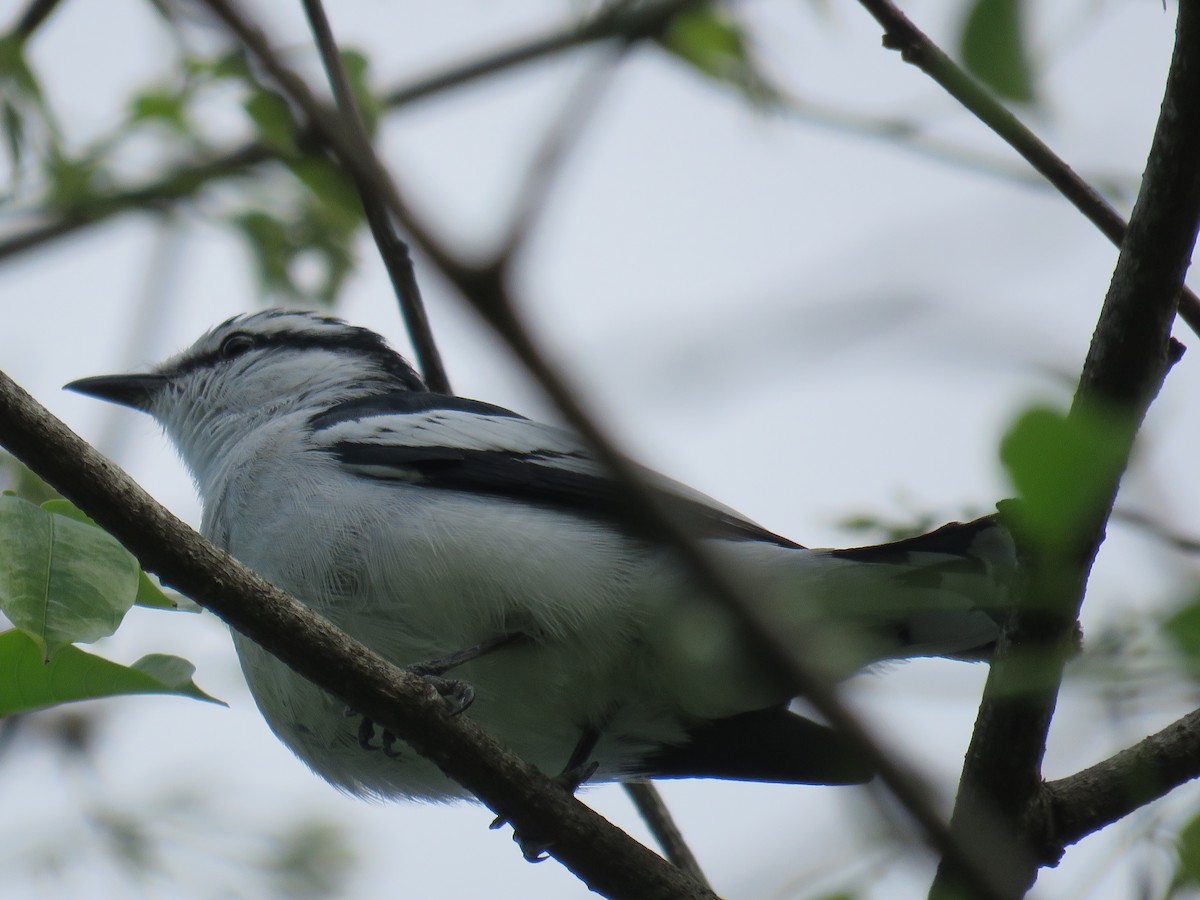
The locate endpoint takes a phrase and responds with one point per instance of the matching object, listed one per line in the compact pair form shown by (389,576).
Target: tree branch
(35,15)
(1090,800)
(184,182)
(1130,354)
(392,248)
(654,813)
(603,856)
(916,48)
(159,195)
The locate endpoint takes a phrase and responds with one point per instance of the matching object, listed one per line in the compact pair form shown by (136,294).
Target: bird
(456,537)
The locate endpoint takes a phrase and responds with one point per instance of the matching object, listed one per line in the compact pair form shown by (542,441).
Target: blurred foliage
(269,854)
(992,47)
(1186,880)
(1062,467)
(309,859)
(715,44)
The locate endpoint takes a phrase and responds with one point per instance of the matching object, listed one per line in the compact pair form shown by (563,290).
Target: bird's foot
(459,695)
(535,847)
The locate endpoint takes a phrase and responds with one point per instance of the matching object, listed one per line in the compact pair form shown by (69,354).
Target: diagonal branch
(653,810)
(547,164)
(392,249)
(916,48)
(1129,357)
(1089,800)
(602,855)
(34,16)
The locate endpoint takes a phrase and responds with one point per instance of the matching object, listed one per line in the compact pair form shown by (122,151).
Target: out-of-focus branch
(548,161)
(916,48)
(392,248)
(654,812)
(185,182)
(608,860)
(487,290)
(1130,354)
(35,15)
(156,196)
(1090,800)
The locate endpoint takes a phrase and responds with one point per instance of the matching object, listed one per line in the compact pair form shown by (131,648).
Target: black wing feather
(537,478)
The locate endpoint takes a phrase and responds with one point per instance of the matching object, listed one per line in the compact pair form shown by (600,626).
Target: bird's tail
(939,594)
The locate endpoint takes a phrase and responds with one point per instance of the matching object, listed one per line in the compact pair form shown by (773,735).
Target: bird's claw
(366,735)
(535,848)
(458,694)
(571,780)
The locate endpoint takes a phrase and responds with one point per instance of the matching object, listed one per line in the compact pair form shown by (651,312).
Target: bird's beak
(137,391)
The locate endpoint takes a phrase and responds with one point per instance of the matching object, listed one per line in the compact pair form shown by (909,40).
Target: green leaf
(993,48)
(332,187)
(273,119)
(61,580)
(1183,628)
(161,105)
(369,106)
(272,249)
(1188,847)
(713,43)
(148,593)
(174,673)
(28,683)
(15,69)
(1062,467)
(13,126)
(73,182)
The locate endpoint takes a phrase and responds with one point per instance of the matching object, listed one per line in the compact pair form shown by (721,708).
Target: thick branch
(603,856)
(916,48)
(1130,354)
(1098,796)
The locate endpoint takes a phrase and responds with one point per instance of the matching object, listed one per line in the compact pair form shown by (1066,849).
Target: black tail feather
(765,745)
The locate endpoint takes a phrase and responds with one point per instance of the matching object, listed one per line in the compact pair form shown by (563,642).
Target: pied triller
(424,524)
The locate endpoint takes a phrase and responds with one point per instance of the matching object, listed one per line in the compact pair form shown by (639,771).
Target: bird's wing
(451,443)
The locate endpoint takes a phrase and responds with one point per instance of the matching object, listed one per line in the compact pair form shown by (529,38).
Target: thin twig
(392,249)
(1181,542)
(487,291)
(641,21)
(159,195)
(184,182)
(653,810)
(547,163)
(1130,355)
(916,48)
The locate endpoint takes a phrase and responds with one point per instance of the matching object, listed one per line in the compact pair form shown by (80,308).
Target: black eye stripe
(236,344)
(359,341)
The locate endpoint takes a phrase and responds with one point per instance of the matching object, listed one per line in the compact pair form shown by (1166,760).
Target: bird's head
(253,368)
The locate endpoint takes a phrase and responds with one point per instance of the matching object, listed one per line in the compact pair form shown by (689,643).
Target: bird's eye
(235,345)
